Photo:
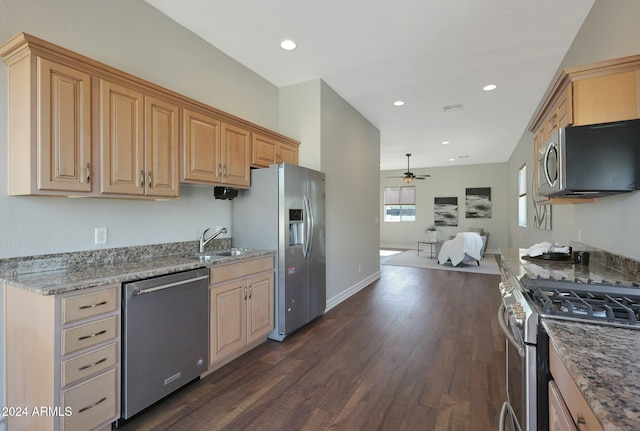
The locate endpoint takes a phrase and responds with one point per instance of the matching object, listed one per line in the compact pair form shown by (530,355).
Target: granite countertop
(595,271)
(604,362)
(58,275)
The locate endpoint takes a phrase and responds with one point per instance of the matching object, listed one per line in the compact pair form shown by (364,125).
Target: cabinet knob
(150,180)
(88,172)
(142,178)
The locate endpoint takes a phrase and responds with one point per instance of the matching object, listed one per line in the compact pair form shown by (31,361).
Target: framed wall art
(445,211)
(478,202)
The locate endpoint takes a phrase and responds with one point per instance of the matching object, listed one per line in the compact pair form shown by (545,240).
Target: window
(522,196)
(400,204)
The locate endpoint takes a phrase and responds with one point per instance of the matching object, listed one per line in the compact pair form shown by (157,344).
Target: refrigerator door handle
(308,243)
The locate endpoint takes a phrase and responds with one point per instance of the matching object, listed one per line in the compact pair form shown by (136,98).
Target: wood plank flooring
(418,349)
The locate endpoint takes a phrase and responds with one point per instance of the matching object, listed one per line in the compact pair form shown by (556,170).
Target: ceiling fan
(410,176)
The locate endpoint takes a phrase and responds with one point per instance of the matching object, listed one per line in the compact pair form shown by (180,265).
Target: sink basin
(204,257)
(231,253)
(214,255)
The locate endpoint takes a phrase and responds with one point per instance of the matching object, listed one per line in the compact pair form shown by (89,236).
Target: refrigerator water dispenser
(296,227)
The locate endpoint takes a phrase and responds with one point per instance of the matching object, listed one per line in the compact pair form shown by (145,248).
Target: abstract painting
(445,211)
(478,202)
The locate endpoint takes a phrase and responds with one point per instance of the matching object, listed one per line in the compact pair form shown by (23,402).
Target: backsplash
(625,265)
(53,262)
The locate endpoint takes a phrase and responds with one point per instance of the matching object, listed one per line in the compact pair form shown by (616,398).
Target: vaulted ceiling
(430,54)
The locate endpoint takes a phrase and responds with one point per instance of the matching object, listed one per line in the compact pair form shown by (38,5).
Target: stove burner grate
(605,303)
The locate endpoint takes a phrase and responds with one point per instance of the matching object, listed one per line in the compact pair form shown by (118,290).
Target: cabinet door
(288,154)
(606,98)
(263,151)
(260,306)
(559,417)
(236,152)
(64,128)
(122,139)
(161,148)
(228,319)
(201,147)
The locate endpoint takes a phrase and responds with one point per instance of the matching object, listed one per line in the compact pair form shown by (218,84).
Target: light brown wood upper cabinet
(200,147)
(235,155)
(214,152)
(595,93)
(50,147)
(267,151)
(78,127)
(139,143)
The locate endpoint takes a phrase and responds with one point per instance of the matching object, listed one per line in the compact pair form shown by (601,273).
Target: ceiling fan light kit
(410,176)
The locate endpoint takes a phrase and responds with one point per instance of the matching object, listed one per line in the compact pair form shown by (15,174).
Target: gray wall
(449,182)
(136,38)
(611,30)
(346,147)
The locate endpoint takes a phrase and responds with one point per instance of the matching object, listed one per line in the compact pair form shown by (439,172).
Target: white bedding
(463,243)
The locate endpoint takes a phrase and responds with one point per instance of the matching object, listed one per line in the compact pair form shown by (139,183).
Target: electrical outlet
(100,235)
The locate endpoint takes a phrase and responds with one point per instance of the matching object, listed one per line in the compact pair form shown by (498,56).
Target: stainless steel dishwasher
(164,336)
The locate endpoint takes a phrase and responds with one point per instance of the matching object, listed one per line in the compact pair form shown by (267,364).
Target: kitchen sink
(214,255)
(231,253)
(204,257)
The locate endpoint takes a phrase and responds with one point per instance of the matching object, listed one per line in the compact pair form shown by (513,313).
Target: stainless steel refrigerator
(285,211)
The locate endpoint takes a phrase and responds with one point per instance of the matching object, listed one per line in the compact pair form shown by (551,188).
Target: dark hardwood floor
(418,349)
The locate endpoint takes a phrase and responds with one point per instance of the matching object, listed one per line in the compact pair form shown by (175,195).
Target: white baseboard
(344,295)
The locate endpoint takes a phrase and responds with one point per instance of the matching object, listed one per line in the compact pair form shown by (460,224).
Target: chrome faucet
(204,242)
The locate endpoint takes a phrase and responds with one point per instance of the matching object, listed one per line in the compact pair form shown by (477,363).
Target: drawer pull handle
(84,307)
(92,405)
(84,367)
(104,331)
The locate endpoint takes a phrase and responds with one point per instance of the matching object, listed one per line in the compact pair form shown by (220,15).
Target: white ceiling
(429,53)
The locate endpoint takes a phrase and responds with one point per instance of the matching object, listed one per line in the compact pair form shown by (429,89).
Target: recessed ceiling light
(398,103)
(445,142)
(490,87)
(452,160)
(288,45)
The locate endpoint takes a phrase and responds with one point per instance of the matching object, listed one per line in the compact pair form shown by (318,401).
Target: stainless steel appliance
(164,336)
(590,161)
(285,211)
(524,303)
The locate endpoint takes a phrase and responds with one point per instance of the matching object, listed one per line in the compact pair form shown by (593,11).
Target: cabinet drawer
(241,269)
(576,404)
(89,334)
(89,363)
(91,403)
(90,304)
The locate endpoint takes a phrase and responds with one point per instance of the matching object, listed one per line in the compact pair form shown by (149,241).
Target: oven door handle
(507,332)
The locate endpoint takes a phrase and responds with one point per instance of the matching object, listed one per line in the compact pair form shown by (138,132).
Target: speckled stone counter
(605,364)
(595,271)
(59,273)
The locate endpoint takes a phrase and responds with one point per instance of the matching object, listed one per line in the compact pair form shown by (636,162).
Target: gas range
(602,303)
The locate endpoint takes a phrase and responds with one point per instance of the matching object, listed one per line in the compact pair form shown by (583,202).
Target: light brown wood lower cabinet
(567,396)
(63,359)
(241,308)
(559,416)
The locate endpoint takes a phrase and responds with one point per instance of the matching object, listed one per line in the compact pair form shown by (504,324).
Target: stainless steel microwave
(590,161)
